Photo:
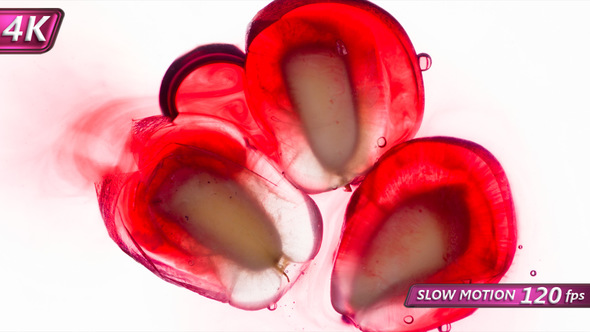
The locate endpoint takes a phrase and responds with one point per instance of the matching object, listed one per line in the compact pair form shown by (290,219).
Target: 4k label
(27,30)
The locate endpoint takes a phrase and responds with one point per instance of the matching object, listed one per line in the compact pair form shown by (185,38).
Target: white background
(512,76)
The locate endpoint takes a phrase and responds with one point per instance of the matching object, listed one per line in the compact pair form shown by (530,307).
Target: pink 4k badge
(29,30)
(327,94)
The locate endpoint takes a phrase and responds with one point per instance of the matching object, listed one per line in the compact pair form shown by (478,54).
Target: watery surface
(151,195)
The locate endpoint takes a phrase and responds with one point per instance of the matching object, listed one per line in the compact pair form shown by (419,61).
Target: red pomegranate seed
(433,210)
(191,74)
(335,82)
(209,80)
(204,210)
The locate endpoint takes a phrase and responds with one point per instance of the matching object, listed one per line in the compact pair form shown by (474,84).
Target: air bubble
(520,246)
(191,262)
(425,61)
(533,273)
(340,48)
(381,142)
(444,328)
(272,307)
(409,319)
(467,281)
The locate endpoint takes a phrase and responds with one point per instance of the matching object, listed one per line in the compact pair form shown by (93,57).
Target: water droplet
(425,61)
(191,262)
(409,319)
(444,328)
(533,273)
(272,307)
(381,142)
(520,246)
(341,48)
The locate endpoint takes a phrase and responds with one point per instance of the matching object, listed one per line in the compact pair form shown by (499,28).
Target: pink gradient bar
(498,295)
(28,30)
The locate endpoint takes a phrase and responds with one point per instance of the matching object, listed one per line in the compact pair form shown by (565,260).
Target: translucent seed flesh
(320,90)
(412,243)
(221,215)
